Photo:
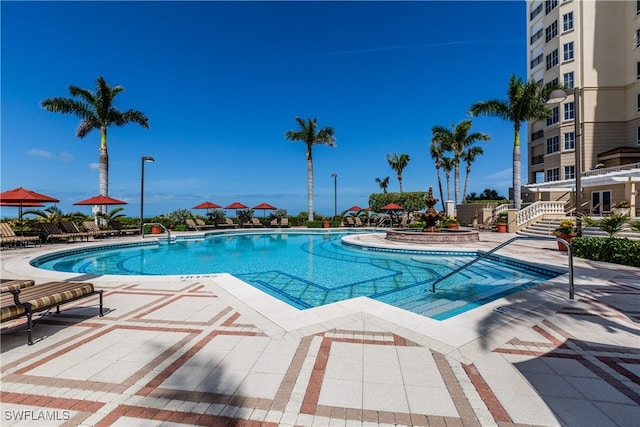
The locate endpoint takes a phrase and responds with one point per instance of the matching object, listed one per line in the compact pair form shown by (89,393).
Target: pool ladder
(161,225)
(502,245)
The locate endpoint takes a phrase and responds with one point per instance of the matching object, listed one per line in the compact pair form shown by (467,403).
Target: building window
(553,174)
(637,70)
(638,102)
(536,36)
(569,141)
(569,172)
(553,118)
(567,21)
(553,144)
(567,79)
(553,83)
(637,7)
(569,111)
(535,12)
(551,31)
(552,59)
(549,5)
(638,135)
(568,51)
(537,60)
(537,134)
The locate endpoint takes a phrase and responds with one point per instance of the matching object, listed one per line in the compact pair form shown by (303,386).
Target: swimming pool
(309,269)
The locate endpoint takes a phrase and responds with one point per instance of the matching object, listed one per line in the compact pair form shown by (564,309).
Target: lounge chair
(347,221)
(254,223)
(191,224)
(93,228)
(203,225)
(117,227)
(71,228)
(30,299)
(7,285)
(274,222)
(7,235)
(284,222)
(228,223)
(52,231)
(358,222)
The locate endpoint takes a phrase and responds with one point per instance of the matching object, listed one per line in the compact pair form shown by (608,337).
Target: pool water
(312,269)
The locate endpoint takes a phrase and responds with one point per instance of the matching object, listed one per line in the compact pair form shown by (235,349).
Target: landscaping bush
(411,201)
(314,224)
(617,251)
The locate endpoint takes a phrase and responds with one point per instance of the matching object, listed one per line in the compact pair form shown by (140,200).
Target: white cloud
(40,153)
(66,157)
(501,174)
(94,166)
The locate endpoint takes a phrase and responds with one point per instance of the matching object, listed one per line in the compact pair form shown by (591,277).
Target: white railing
(539,209)
(499,209)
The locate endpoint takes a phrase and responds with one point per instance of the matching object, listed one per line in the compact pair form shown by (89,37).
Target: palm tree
(307,134)
(457,140)
(525,101)
(447,165)
(469,156)
(384,183)
(436,154)
(398,163)
(96,112)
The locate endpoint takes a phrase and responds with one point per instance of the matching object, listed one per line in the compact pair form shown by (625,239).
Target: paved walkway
(211,350)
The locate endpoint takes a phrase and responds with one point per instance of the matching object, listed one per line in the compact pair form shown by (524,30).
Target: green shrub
(181,227)
(411,201)
(617,251)
(314,224)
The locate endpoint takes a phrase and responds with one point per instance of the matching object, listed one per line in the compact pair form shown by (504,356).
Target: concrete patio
(211,350)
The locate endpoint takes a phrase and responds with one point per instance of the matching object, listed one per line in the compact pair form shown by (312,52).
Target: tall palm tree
(469,156)
(96,112)
(457,140)
(307,134)
(525,101)
(447,165)
(436,154)
(398,163)
(384,183)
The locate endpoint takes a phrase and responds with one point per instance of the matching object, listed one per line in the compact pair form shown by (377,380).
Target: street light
(556,97)
(144,159)
(335,195)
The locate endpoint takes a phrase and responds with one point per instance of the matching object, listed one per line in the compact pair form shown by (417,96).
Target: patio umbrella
(21,197)
(354,208)
(100,200)
(207,205)
(391,207)
(236,206)
(264,206)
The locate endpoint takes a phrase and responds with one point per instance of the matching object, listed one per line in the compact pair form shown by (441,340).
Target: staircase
(545,227)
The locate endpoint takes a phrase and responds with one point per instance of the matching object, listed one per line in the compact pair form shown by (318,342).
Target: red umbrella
(22,197)
(25,204)
(355,208)
(100,200)
(264,206)
(392,207)
(236,205)
(207,205)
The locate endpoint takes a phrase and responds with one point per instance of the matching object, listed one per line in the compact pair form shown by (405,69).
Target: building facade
(592,49)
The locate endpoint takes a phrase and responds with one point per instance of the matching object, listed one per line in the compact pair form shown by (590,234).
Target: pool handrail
(161,225)
(502,245)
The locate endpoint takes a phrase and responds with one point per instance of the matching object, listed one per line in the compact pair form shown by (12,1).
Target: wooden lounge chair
(284,222)
(30,299)
(347,221)
(255,222)
(358,222)
(93,228)
(119,230)
(274,222)
(71,228)
(52,231)
(7,285)
(228,223)
(191,224)
(203,225)
(7,235)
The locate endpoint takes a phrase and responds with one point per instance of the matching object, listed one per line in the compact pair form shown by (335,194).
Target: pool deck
(211,350)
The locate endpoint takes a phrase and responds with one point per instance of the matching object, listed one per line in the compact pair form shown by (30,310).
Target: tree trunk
(104,177)
(400,182)
(456,182)
(440,187)
(310,189)
(516,170)
(466,183)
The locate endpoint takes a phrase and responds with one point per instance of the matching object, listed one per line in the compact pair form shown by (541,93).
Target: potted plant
(451,222)
(566,231)
(156,229)
(622,207)
(501,222)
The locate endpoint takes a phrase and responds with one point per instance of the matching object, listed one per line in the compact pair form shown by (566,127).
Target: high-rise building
(592,49)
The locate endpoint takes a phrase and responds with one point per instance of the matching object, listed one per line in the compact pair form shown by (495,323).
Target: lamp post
(335,195)
(144,159)
(556,97)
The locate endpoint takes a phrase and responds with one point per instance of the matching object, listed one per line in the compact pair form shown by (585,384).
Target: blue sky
(221,83)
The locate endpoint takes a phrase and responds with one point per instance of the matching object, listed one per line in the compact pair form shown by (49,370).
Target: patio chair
(255,222)
(274,222)
(347,221)
(358,222)
(191,224)
(30,299)
(7,285)
(7,235)
(93,228)
(117,227)
(228,223)
(52,231)
(284,222)
(71,228)
(203,225)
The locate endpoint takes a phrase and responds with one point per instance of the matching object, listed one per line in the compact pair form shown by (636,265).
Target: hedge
(607,249)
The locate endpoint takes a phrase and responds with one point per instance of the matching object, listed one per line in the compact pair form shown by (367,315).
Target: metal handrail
(486,254)
(161,225)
